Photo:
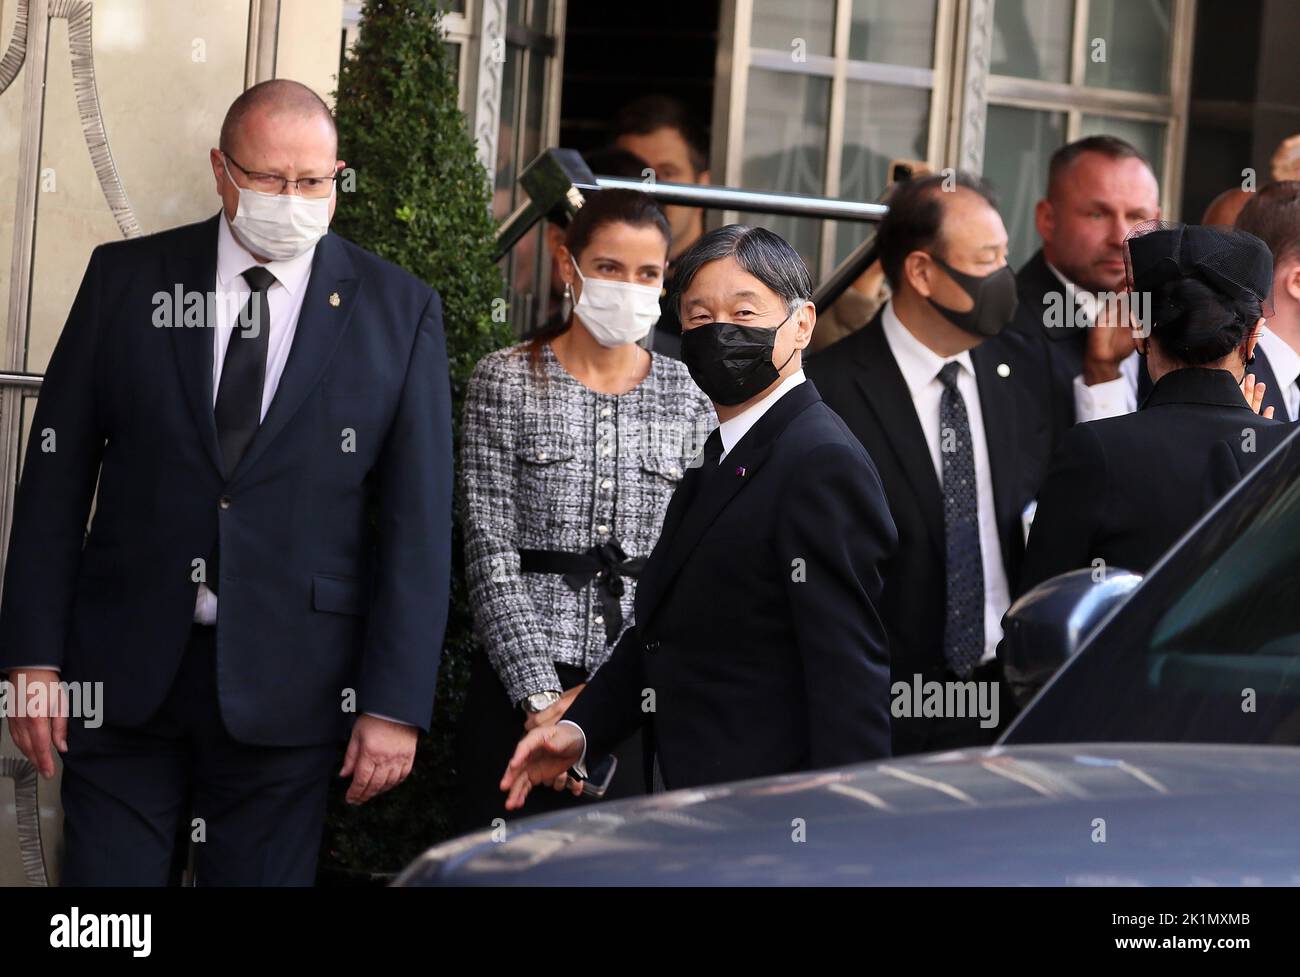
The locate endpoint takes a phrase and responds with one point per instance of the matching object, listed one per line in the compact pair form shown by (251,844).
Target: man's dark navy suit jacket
(759,646)
(334,528)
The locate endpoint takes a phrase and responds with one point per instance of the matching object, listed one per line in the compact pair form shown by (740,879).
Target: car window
(1207,649)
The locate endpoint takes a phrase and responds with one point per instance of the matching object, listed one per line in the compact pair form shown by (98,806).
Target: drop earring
(566,305)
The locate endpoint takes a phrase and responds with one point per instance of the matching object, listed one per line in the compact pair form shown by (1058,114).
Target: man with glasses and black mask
(265,409)
(956,412)
(758,647)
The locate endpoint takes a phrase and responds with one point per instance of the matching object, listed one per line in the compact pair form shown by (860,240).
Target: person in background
(1273,216)
(1224,208)
(956,410)
(662,131)
(758,647)
(1122,490)
(1285,163)
(572,445)
(1227,206)
(1098,187)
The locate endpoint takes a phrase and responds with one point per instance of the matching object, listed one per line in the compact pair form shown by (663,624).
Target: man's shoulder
(370,266)
(173,240)
(1035,278)
(839,360)
(820,433)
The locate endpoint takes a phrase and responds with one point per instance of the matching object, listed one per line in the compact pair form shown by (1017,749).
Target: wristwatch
(540,701)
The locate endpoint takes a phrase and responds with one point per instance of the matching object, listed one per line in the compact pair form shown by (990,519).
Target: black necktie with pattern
(963,627)
(243,375)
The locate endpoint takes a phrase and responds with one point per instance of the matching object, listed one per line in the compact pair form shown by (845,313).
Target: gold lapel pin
(334,299)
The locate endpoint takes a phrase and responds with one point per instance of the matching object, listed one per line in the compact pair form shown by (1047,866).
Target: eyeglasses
(308,186)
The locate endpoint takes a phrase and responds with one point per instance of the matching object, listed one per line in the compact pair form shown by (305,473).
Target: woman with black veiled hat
(1123,490)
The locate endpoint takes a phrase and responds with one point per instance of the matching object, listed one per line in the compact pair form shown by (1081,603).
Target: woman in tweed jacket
(572,444)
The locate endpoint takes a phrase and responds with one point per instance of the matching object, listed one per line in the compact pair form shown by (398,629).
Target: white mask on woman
(616,313)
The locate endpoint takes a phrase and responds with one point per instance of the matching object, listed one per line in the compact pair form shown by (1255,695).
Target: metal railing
(557,179)
(32,380)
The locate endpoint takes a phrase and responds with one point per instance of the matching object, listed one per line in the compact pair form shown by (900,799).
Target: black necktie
(243,372)
(243,376)
(712,450)
(688,489)
(963,626)
(709,462)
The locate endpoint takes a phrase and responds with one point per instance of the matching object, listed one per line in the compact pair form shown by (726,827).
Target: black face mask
(732,363)
(994,296)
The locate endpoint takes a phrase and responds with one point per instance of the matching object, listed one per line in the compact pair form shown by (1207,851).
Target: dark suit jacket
(1065,342)
(315,596)
(758,639)
(1124,489)
(1035,284)
(863,384)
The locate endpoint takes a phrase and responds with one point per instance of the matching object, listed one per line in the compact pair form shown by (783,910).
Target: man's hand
(541,757)
(1253,391)
(1110,341)
(553,713)
(380,755)
(33,734)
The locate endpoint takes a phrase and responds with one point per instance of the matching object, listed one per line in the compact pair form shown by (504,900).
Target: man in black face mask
(759,646)
(957,414)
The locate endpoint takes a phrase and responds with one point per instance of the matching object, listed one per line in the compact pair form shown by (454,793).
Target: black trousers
(491,728)
(917,734)
(256,813)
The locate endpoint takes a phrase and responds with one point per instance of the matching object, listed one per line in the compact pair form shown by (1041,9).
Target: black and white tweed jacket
(549,464)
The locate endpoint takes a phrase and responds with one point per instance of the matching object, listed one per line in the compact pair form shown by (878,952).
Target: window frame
(1075,99)
(737,56)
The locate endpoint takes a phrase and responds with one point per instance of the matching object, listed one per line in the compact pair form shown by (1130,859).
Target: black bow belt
(607,564)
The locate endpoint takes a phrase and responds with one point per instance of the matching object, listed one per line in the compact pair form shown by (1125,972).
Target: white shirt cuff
(1109,399)
(581,765)
(400,722)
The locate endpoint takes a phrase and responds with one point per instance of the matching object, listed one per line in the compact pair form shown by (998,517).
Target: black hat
(1232,262)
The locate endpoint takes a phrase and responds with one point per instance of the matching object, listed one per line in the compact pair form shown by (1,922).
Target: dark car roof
(1090,814)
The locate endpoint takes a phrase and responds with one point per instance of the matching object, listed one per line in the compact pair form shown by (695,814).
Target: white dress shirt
(731,431)
(1285,362)
(920,367)
(1111,397)
(285,298)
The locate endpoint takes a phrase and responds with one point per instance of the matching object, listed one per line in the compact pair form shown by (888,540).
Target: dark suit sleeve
(609,708)
(408,615)
(1070,508)
(833,517)
(64,450)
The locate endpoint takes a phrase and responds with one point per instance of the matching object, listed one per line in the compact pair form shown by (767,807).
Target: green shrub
(422,201)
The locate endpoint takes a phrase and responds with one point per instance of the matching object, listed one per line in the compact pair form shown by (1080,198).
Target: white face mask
(616,313)
(279,226)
